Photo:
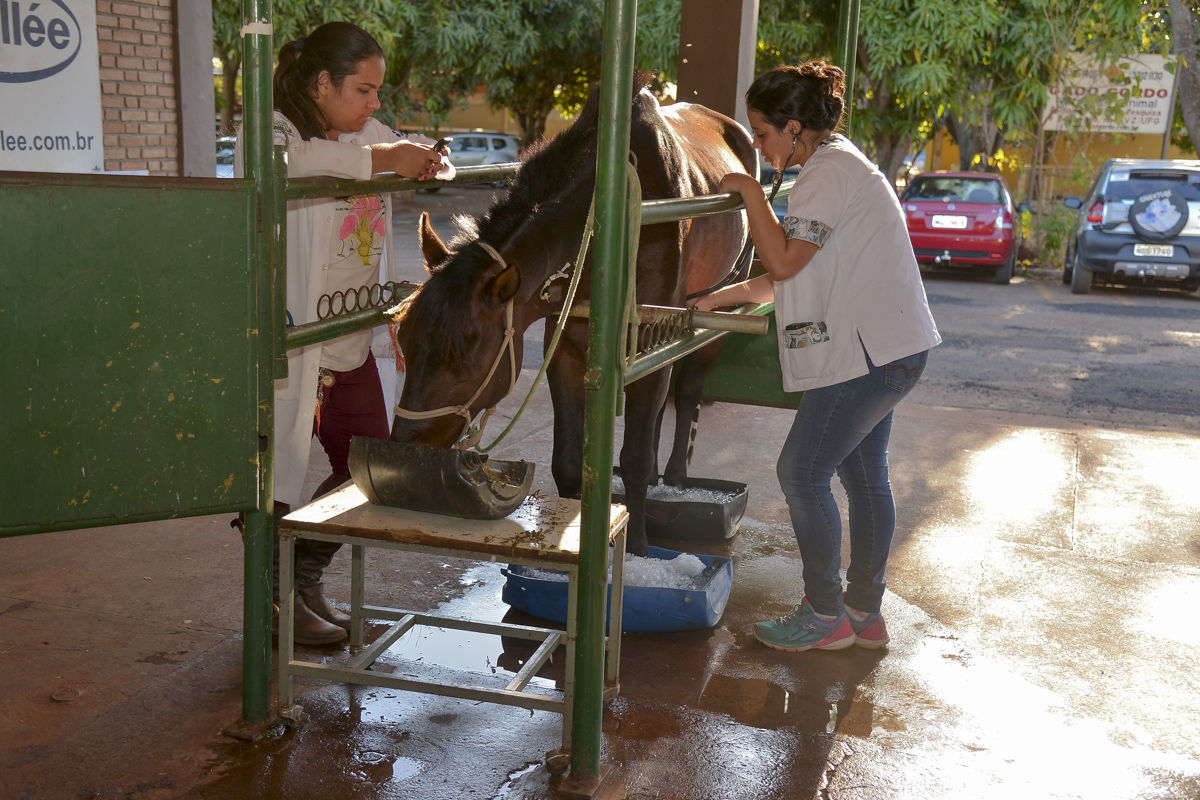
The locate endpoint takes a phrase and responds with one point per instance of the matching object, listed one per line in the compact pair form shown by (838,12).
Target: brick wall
(138,93)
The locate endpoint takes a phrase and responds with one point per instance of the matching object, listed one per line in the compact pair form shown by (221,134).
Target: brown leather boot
(310,629)
(314,598)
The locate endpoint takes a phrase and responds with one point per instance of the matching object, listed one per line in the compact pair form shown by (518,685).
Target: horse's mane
(566,162)
(551,167)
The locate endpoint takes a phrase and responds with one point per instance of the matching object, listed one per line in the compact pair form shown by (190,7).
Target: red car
(962,219)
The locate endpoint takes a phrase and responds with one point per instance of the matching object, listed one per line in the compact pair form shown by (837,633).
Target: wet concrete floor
(1044,645)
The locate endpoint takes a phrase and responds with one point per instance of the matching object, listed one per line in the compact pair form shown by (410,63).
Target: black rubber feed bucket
(714,517)
(460,483)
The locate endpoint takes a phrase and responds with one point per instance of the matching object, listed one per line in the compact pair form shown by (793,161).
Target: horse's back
(710,136)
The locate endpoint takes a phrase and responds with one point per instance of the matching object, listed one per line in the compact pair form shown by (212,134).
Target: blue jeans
(845,427)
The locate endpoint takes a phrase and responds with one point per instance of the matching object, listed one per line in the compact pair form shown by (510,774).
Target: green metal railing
(605,374)
(258,58)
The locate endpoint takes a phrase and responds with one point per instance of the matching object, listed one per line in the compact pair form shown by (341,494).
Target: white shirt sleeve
(321,156)
(313,157)
(817,201)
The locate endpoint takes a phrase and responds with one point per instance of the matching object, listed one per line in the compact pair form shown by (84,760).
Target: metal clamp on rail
(742,321)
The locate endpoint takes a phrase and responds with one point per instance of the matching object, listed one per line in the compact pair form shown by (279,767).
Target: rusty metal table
(543,532)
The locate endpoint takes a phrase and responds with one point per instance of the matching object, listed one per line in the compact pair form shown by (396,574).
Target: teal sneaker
(803,630)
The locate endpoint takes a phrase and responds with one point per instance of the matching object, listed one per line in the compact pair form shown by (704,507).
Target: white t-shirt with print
(353,261)
(863,282)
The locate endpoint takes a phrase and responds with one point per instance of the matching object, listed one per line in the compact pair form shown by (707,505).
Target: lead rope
(634,187)
(568,300)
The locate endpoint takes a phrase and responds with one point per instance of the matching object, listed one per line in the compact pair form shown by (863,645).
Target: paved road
(1114,357)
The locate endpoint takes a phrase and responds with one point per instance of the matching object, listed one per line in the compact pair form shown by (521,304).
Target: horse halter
(506,346)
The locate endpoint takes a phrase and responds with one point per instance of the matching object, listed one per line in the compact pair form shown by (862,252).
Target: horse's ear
(503,287)
(432,246)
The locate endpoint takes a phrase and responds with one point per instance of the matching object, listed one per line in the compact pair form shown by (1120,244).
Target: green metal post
(278,262)
(258,49)
(602,382)
(847,49)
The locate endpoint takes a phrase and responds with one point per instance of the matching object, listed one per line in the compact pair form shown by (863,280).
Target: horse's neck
(547,249)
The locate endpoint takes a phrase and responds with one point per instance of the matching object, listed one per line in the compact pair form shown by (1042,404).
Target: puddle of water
(484,654)
(461,650)
(403,768)
(528,781)
(766,705)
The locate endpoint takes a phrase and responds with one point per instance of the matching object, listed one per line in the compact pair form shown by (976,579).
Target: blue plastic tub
(646,608)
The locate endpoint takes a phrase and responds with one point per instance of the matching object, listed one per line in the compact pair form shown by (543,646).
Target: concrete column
(197,104)
(717,41)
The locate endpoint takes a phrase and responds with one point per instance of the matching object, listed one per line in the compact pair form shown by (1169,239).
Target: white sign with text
(1139,89)
(50,116)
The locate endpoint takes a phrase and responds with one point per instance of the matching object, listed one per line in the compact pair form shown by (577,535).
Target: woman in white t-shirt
(854,333)
(326,87)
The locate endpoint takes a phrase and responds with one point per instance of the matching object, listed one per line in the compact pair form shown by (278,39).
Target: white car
(472,149)
(225,156)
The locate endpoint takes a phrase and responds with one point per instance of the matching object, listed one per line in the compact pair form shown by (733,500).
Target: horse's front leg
(658,434)
(689,388)
(566,394)
(643,401)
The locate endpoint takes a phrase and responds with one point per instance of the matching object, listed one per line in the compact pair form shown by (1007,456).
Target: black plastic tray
(695,520)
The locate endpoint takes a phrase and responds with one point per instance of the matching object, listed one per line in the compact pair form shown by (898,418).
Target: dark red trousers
(352,406)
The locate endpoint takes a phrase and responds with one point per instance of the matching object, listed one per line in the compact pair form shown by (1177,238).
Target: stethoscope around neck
(777,181)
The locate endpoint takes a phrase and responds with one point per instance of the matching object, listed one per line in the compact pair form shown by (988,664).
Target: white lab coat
(862,288)
(311,239)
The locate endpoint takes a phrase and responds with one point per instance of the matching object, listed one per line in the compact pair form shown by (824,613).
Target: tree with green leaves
(1184,22)
(530,56)
(912,55)
(389,22)
(527,56)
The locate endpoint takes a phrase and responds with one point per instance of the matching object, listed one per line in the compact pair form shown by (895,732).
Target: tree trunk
(532,120)
(885,148)
(1184,36)
(229,72)
(976,143)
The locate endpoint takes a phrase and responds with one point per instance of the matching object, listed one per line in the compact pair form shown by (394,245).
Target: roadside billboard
(1133,95)
(50,116)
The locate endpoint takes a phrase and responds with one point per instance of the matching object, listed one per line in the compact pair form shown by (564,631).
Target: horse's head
(457,333)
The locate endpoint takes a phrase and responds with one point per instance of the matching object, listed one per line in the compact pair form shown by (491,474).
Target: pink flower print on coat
(364,222)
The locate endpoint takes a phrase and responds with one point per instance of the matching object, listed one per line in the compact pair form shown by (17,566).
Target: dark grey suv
(1138,225)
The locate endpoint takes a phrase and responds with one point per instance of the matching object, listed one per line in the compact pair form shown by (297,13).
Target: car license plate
(1154,250)
(948,221)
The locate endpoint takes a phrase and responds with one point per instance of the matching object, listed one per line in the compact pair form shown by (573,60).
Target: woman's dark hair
(336,47)
(811,92)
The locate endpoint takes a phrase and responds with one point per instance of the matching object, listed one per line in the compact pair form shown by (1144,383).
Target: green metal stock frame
(97,331)
(604,379)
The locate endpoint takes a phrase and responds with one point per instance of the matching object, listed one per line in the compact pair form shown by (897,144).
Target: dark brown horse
(499,273)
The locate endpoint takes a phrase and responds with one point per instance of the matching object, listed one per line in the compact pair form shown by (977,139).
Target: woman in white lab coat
(326,87)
